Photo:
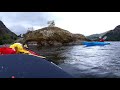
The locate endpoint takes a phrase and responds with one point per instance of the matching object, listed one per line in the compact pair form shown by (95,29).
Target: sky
(85,23)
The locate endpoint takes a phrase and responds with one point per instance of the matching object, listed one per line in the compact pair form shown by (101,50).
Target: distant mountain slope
(113,35)
(95,36)
(6,36)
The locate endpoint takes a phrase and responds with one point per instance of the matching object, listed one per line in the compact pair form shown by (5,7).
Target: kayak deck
(27,66)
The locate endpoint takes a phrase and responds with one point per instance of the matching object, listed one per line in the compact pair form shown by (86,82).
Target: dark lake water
(86,62)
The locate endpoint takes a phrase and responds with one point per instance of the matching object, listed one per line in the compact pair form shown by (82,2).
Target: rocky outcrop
(52,36)
(6,36)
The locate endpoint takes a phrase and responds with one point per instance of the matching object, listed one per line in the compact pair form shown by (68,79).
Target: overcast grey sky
(85,23)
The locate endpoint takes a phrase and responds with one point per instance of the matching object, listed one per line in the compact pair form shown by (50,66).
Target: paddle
(100,37)
(105,37)
(37,56)
(33,54)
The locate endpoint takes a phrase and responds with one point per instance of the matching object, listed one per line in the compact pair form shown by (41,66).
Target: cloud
(85,23)
(18,29)
(34,18)
(18,22)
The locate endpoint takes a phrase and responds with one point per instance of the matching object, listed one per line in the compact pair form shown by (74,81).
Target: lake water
(86,62)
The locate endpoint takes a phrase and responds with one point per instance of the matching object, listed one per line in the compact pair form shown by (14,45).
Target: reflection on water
(81,61)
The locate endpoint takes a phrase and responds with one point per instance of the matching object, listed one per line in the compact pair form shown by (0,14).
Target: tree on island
(51,23)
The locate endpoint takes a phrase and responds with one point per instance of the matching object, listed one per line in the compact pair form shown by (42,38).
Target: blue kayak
(95,43)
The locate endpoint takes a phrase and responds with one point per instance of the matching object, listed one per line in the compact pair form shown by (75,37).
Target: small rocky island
(52,36)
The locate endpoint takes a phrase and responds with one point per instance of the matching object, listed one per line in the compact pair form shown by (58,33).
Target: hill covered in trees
(113,35)
(6,35)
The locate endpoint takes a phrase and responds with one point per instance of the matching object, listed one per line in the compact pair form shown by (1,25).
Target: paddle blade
(105,37)
(100,37)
